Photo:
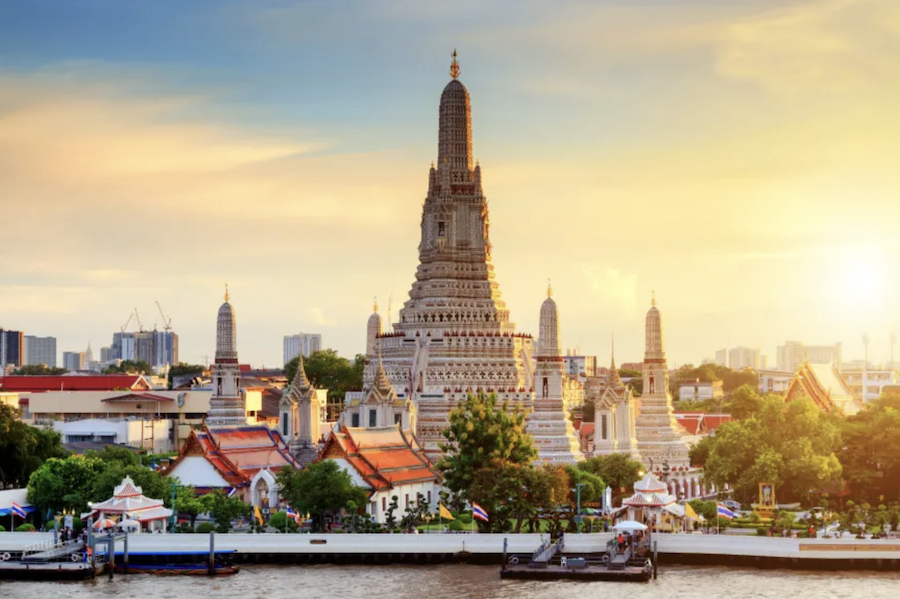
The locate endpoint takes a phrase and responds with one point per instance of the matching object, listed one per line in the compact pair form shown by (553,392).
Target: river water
(464,582)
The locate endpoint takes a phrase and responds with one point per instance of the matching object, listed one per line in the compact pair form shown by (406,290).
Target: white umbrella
(131,525)
(629,525)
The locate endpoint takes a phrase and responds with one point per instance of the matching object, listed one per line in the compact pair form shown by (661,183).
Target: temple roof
(127,499)
(824,384)
(106,382)
(238,453)
(383,457)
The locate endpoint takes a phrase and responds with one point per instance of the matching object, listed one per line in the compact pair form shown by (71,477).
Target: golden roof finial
(375,309)
(653,298)
(227,297)
(454,66)
(549,289)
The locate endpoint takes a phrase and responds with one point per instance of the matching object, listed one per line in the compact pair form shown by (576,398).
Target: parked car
(731,504)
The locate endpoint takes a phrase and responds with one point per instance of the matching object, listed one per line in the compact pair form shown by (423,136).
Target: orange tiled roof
(383,457)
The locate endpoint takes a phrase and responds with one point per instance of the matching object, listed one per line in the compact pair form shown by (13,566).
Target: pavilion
(128,504)
(652,505)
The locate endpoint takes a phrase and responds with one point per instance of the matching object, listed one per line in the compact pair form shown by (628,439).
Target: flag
(689,512)
(445,513)
(258,514)
(18,510)
(292,514)
(724,512)
(478,512)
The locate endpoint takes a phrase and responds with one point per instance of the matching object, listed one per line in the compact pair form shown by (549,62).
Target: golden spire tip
(549,289)
(653,298)
(227,297)
(454,66)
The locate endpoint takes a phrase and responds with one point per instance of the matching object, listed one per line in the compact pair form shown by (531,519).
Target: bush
(2,529)
(205,527)
(26,527)
(77,524)
(278,520)
(762,531)
(455,525)
(185,527)
(465,518)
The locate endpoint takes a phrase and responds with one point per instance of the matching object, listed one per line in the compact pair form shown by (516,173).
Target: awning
(675,510)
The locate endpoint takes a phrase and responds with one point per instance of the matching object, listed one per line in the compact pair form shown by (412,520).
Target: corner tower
(226,406)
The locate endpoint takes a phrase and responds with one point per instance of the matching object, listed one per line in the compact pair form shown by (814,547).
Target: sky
(740,159)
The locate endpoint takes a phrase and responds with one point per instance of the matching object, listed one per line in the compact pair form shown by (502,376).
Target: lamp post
(577,490)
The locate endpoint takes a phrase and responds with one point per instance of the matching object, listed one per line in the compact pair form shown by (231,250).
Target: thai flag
(724,512)
(18,510)
(478,512)
(292,514)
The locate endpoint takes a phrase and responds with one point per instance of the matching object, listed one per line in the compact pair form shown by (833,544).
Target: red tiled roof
(690,423)
(383,457)
(106,382)
(714,421)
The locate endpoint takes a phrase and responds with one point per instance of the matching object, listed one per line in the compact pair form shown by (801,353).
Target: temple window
(429,497)
(546,388)
(354,420)
(603,433)
(407,500)
(397,418)
(384,504)
(442,229)
(284,425)
(373,418)
(652,385)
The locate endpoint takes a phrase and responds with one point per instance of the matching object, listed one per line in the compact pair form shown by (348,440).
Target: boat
(47,561)
(179,564)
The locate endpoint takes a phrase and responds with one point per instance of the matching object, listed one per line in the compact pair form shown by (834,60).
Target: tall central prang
(453,336)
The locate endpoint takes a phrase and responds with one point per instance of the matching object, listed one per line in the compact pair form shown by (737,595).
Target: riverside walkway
(488,548)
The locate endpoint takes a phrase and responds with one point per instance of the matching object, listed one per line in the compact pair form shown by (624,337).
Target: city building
(579,367)
(165,349)
(868,383)
(12,348)
(73,360)
(744,357)
(157,348)
(388,462)
(122,347)
(722,357)
(144,346)
(774,381)
(105,354)
(699,390)
(301,343)
(44,384)
(792,354)
(823,384)
(40,350)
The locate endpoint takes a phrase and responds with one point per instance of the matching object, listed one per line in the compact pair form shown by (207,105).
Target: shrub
(2,529)
(185,527)
(762,531)
(465,518)
(26,527)
(280,519)
(455,525)
(77,524)
(206,527)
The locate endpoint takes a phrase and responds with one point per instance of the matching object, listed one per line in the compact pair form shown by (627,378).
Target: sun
(862,277)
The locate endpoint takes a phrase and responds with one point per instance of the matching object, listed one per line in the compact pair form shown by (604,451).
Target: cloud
(824,45)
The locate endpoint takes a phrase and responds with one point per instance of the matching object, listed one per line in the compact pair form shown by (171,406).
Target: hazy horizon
(740,160)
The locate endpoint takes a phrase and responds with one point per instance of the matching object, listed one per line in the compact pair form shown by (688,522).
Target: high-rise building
(73,360)
(105,353)
(40,350)
(165,349)
(580,367)
(305,343)
(143,346)
(744,357)
(122,347)
(12,348)
(722,357)
(792,354)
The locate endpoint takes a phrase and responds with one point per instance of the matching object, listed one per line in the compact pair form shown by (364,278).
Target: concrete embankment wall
(487,548)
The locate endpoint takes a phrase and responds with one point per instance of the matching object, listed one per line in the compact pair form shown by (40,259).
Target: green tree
(636,381)
(790,445)
(24,448)
(503,489)
(617,470)
(319,488)
(870,454)
(481,432)
(745,402)
(390,519)
(327,370)
(38,370)
(64,483)
(224,509)
(129,367)
(187,502)
(182,369)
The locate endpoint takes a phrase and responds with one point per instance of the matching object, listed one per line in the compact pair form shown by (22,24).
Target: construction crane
(139,323)
(167,322)
(127,322)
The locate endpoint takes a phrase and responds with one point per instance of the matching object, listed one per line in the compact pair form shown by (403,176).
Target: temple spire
(227,297)
(454,66)
(653,298)
(549,289)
